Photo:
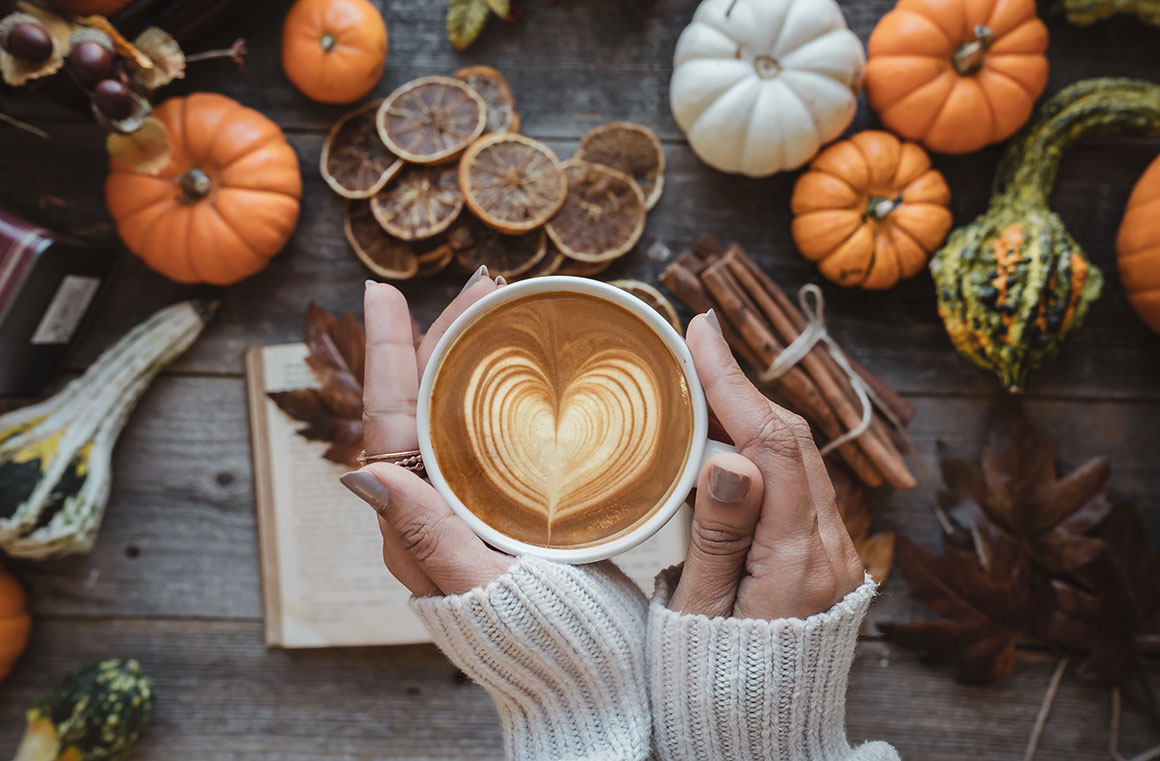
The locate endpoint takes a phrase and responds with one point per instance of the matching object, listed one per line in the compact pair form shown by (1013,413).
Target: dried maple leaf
(983,596)
(1111,608)
(333,411)
(1017,487)
(875,550)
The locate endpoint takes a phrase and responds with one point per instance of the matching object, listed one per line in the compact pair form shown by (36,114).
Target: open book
(323,579)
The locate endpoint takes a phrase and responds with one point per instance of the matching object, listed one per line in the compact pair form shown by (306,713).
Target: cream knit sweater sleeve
(560,649)
(581,668)
(728,689)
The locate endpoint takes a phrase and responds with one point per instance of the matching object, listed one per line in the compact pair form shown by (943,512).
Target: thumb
(728,505)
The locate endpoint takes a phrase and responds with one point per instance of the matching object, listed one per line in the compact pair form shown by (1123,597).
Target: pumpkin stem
(878,208)
(969,57)
(328,42)
(195,184)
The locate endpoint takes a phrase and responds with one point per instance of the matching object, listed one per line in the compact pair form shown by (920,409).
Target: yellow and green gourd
(96,714)
(1084,12)
(1014,283)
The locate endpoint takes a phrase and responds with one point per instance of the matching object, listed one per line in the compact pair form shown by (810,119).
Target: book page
(332,587)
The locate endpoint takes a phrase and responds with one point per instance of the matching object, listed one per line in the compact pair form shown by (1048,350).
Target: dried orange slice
(653,298)
(508,255)
(602,217)
(384,255)
(436,260)
(493,88)
(630,148)
(431,120)
(574,268)
(511,182)
(355,162)
(422,202)
(549,265)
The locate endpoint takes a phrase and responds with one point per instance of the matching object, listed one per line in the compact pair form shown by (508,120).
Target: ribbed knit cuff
(560,649)
(728,689)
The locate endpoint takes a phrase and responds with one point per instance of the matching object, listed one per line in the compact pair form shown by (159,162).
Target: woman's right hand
(767,539)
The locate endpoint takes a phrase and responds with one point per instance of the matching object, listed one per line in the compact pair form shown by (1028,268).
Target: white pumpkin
(760,85)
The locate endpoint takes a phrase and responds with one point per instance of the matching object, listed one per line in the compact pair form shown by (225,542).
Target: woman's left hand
(425,546)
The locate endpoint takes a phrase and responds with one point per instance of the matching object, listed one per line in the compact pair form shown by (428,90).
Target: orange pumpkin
(224,205)
(870,210)
(15,623)
(87,7)
(1138,247)
(956,75)
(334,51)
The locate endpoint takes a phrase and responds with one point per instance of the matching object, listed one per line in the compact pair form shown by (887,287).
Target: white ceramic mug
(701,448)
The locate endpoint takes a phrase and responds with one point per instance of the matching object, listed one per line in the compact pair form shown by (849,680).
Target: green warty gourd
(56,455)
(1085,12)
(97,714)
(1013,284)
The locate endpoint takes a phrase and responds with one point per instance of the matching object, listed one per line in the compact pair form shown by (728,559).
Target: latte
(560,419)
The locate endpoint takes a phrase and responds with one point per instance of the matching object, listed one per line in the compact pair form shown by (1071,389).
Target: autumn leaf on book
(333,411)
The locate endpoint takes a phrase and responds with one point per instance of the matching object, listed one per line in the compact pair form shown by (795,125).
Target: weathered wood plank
(896,333)
(217,687)
(179,538)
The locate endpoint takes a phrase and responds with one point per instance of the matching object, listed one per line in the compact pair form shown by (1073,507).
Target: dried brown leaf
(336,355)
(875,550)
(1018,487)
(985,602)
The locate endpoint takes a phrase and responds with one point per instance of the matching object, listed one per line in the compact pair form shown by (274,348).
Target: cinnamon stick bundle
(758,321)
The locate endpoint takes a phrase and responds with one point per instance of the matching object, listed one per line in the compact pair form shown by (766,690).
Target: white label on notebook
(66,311)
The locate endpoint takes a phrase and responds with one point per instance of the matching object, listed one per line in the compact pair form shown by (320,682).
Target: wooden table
(174,578)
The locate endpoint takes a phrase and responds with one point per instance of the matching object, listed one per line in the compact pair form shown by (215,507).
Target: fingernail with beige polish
(367,488)
(711,318)
(370,283)
(500,280)
(480,274)
(727,485)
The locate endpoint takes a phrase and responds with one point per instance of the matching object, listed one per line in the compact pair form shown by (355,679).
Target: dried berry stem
(1114,736)
(235,52)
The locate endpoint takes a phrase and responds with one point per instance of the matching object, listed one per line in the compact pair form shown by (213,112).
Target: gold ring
(412,460)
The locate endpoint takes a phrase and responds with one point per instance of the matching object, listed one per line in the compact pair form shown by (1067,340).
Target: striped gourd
(1014,283)
(1084,12)
(56,456)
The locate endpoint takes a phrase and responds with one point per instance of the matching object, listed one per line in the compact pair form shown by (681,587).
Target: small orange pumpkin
(224,205)
(334,51)
(15,623)
(87,7)
(870,210)
(1138,247)
(956,75)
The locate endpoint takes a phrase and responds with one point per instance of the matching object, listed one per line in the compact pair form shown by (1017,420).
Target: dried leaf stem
(1114,736)
(1044,709)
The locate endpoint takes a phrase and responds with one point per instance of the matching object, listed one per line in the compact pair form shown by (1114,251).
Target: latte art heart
(557,451)
(560,419)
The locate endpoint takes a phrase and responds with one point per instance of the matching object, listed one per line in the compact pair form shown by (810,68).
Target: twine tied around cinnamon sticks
(819,382)
(815,332)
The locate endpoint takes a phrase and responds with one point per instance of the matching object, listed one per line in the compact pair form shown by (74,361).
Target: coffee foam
(560,419)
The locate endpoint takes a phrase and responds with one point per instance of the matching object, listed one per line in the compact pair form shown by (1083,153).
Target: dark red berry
(113,99)
(29,42)
(90,63)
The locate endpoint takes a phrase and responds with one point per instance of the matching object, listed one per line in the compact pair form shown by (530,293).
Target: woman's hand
(767,539)
(426,546)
